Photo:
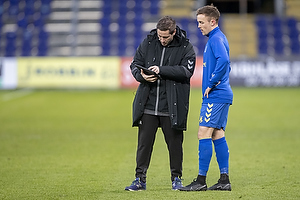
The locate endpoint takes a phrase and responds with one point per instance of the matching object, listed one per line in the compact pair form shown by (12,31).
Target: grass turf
(80,145)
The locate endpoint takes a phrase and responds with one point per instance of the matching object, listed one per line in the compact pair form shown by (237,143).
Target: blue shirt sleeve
(222,57)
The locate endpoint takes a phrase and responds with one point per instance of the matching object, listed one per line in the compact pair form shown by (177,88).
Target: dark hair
(209,11)
(166,23)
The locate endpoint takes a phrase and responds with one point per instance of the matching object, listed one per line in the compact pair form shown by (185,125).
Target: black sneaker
(223,184)
(194,186)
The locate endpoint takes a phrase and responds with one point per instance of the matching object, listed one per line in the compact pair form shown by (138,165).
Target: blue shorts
(214,115)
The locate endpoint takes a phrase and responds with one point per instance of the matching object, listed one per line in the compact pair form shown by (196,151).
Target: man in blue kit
(217,97)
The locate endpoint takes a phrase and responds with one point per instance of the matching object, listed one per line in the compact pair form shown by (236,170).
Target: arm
(222,60)
(139,59)
(184,70)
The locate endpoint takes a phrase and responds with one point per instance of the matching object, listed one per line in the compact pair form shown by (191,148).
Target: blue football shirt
(216,68)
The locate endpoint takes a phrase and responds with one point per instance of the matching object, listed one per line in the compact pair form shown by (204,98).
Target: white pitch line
(16,94)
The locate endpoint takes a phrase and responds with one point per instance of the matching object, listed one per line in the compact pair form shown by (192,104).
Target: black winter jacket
(177,69)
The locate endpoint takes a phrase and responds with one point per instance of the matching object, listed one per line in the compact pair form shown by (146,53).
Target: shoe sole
(220,188)
(134,190)
(194,190)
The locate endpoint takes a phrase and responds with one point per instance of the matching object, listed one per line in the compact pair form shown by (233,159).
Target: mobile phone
(146,70)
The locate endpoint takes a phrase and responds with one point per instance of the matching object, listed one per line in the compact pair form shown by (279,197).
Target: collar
(211,33)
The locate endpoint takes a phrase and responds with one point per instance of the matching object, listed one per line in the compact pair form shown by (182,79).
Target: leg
(222,154)
(174,140)
(205,149)
(146,138)
(205,154)
(222,150)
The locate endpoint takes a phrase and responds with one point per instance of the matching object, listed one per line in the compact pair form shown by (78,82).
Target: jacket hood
(179,37)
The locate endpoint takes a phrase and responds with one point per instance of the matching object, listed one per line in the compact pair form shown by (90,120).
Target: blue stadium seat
(263,47)
(138,22)
(46,2)
(42,48)
(45,9)
(279,47)
(122,21)
(10,47)
(183,23)
(278,28)
(261,21)
(293,31)
(27,46)
(277,34)
(1,9)
(29,11)
(38,21)
(105,48)
(13,9)
(122,48)
(29,7)
(43,37)
(277,22)
(294,35)
(105,22)
(295,48)
(154,8)
(22,21)
(138,9)
(292,22)
(106,34)
(107,8)
(1,24)
(123,9)
(129,22)
(262,34)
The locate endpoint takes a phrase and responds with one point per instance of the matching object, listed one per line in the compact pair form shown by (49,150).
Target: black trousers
(146,137)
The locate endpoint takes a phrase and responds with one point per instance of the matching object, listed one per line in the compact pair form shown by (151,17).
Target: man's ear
(213,22)
(174,32)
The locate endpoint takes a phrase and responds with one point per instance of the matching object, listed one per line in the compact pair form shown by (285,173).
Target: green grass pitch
(60,144)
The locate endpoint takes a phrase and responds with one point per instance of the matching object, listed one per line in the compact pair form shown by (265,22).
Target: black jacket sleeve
(139,59)
(183,71)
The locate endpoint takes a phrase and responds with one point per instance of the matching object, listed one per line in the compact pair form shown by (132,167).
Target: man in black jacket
(162,100)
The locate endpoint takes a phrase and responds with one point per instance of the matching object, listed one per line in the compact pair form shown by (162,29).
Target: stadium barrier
(265,73)
(114,73)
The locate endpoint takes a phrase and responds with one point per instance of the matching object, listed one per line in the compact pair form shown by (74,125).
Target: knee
(218,133)
(204,132)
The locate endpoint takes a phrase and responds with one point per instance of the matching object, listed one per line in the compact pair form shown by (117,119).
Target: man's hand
(151,78)
(155,69)
(207,91)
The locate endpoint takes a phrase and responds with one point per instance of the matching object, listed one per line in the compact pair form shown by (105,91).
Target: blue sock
(222,154)
(205,154)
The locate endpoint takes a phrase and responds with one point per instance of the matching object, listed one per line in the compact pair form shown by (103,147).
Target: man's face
(205,24)
(165,37)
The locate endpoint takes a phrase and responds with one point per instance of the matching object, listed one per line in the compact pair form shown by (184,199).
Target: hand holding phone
(146,70)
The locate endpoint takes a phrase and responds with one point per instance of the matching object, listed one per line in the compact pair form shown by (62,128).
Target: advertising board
(8,73)
(265,73)
(62,72)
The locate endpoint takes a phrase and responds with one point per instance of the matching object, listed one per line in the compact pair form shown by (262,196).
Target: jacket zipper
(158,82)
